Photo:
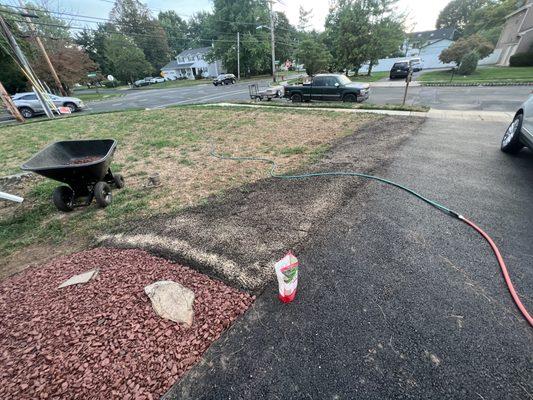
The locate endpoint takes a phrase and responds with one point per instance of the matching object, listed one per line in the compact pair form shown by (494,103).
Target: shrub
(522,60)
(463,46)
(111,84)
(468,63)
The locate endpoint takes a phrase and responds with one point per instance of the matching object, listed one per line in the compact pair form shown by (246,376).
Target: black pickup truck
(328,87)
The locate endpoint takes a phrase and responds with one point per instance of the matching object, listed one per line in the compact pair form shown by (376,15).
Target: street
(504,98)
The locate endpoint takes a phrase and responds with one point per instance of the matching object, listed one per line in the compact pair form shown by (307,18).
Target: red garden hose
(433,203)
(503,267)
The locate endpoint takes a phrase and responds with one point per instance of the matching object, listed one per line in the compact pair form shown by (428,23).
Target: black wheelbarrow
(84,165)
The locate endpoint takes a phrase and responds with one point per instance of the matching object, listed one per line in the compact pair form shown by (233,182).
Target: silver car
(29,105)
(520,132)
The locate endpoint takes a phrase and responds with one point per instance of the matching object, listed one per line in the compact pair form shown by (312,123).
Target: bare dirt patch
(102,339)
(238,236)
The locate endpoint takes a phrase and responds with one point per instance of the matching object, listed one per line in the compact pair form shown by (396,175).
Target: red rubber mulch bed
(103,340)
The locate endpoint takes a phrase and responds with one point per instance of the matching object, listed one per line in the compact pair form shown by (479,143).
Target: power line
(140,34)
(110,20)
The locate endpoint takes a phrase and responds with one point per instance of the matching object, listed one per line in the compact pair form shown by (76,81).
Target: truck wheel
(511,139)
(118,180)
(102,194)
(350,98)
(296,98)
(63,198)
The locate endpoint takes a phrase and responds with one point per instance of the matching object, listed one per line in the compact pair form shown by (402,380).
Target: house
(191,63)
(427,45)
(517,33)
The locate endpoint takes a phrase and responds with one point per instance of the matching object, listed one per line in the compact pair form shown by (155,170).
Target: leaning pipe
(11,197)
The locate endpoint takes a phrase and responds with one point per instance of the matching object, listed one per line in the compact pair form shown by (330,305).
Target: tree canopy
(458,13)
(463,46)
(360,31)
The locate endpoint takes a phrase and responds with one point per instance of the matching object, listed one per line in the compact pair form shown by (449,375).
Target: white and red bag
(287,273)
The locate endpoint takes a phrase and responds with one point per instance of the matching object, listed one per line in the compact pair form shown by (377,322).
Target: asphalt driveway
(397,300)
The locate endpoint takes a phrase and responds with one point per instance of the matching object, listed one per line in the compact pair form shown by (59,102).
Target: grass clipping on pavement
(175,143)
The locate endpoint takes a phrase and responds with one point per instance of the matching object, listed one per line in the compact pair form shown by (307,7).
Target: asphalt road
(502,98)
(448,98)
(402,301)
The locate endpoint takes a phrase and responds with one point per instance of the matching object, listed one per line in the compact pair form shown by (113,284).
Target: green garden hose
(438,206)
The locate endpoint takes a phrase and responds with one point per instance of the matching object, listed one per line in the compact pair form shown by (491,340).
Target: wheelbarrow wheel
(118,180)
(102,194)
(63,198)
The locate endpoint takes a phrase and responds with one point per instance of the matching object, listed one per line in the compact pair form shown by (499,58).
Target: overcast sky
(422,13)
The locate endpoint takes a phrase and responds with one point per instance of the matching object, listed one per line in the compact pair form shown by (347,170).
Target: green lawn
(340,105)
(175,143)
(482,74)
(375,76)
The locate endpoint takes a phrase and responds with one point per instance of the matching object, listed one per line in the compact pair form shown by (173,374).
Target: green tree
(126,61)
(201,28)
(488,20)
(314,55)
(358,31)
(286,38)
(176,29)
(463,46)
(133,19)
(93,42)
(304,19)
(10,75)
(387,35)
(458,13)
(243,16)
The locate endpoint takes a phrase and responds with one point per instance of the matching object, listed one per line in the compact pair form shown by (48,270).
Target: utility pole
(272,42)
(43,50)
(238,56)
(8,102)
(25,66)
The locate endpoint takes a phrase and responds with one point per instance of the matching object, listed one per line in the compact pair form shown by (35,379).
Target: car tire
(102,194)
(511,139)
(296,98)
(73,107)
(26,112)
(233,81)
(350,98)
(63,198)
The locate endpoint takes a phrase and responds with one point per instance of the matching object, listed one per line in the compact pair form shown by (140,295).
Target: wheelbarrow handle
(11,197)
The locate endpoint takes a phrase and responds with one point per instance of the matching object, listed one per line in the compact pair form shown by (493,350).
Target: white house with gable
(191,63)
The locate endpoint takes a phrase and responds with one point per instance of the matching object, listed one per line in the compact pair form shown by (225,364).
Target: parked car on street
(157,80)
(520,133)
(328,87)
(417,64)
(224,79)
(400,69)
(29,105)
(141,82)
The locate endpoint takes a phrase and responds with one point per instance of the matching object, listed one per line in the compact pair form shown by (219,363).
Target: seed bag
(287,273)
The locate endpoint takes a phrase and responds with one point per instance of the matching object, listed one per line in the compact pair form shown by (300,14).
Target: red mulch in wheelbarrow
(102,339)
(84,160)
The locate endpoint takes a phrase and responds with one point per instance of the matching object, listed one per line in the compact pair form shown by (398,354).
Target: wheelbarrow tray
(63,161)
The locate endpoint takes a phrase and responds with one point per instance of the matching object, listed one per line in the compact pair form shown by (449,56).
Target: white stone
(172,301)
(81,278)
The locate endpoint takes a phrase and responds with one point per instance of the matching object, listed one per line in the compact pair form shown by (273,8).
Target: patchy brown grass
(176,144)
